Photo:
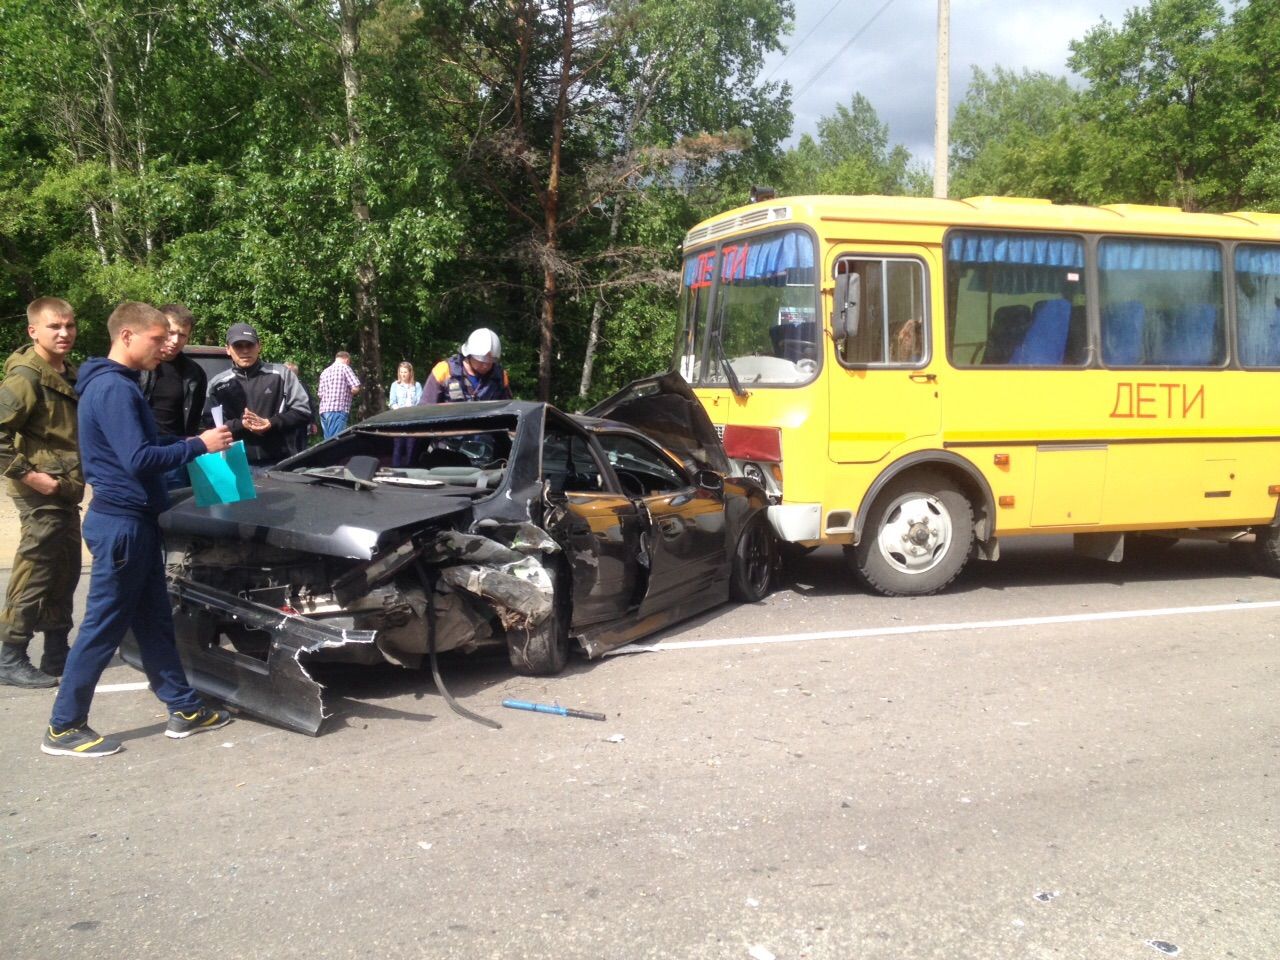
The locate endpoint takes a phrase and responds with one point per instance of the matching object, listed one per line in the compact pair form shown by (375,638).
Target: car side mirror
(709,480)
(844,314)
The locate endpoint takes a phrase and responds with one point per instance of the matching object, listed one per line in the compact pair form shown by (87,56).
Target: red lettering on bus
(1127,390)
(704,271)
(1144,399)
(1141,401)
(735,262)
(1188,404)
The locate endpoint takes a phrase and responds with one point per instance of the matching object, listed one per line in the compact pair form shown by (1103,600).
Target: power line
(839,53)
(799,43)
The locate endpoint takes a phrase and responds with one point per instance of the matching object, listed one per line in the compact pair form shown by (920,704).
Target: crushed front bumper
(278,689)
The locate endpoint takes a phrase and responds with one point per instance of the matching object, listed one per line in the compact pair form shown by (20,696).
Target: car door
(683,524)
(600,528)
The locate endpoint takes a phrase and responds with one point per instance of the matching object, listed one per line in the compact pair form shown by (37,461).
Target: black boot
(54,658)
(17,671)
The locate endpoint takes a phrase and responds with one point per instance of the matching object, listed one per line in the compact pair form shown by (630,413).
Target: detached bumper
(278,689)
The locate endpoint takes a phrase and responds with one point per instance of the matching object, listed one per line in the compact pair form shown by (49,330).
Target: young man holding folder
(125,459)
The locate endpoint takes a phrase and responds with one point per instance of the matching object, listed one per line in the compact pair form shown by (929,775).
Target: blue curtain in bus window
(1157,255)
(774,261)
(1017,263)
(1161,302)
(1258,305)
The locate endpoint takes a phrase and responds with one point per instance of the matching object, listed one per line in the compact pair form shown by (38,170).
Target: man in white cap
(472,374)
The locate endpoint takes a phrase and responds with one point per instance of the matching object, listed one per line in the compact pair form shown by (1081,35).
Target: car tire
(1266,550)
(917,539)
(754,556)
(544,652)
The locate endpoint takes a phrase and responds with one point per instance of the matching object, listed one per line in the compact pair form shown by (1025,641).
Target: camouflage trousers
(46,570)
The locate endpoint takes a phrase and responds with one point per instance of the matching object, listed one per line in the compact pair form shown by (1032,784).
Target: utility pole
(941,114)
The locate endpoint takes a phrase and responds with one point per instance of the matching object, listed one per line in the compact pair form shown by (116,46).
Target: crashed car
(435,528)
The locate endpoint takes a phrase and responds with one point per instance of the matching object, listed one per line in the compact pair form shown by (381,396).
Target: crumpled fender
(510,576)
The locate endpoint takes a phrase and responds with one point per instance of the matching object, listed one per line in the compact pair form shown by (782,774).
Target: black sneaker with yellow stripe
(77,742)
(185,724)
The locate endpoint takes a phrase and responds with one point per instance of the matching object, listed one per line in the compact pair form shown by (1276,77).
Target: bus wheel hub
(919,535)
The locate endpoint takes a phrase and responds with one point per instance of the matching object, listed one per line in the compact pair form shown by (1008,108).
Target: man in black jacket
(262,403)
(175,390)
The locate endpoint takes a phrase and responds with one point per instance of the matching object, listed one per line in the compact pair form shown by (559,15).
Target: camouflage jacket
(38,426)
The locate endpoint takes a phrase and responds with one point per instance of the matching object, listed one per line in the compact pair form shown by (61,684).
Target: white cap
(483,342)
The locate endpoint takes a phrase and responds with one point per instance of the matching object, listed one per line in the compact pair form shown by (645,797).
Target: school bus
(915,379)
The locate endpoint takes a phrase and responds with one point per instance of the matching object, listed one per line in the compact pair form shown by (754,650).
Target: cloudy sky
(891,62)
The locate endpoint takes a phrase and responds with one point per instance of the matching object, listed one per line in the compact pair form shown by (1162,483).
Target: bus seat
(1008,327)
(1260,343)
(794,341)
(1122,328)
(1046,338)
(1192,341)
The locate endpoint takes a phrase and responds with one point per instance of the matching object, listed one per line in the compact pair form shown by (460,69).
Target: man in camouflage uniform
(40,457)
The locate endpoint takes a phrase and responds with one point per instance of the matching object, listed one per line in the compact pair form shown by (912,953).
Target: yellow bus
(915,379)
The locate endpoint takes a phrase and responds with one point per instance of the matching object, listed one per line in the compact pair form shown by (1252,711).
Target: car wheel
(545,651)
(1266,550)
(752,572)
(917,539)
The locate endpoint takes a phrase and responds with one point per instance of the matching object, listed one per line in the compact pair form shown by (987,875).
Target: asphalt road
(1023,767)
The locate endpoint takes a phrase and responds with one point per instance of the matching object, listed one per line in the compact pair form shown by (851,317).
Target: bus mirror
(844,318)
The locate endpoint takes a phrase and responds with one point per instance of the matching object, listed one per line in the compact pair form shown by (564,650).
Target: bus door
(884,391)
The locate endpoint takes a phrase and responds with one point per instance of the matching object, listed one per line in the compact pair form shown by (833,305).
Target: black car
(450,527)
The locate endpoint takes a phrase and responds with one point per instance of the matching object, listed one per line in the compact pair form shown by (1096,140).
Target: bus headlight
(753,472)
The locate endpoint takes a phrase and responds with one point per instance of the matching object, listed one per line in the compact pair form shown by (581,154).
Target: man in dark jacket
(176,388)
(125,459)
(39,456)
(262,403)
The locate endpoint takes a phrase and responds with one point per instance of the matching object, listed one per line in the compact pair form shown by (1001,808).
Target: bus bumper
(796,522)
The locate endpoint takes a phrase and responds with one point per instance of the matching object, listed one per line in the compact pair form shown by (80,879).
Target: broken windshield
(416,454)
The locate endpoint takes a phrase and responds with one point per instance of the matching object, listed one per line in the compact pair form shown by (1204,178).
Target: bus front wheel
(1266,550)
(917,537)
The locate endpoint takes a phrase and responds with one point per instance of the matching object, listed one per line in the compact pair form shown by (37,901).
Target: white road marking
(944,627)
(121,687)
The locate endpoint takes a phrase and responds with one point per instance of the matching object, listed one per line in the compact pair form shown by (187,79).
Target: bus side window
(1015,299)
(891,313)
(1161,302)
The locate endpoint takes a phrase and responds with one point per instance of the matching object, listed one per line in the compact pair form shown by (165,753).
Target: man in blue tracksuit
(125,459)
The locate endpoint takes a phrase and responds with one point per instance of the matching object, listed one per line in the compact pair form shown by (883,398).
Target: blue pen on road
(554,709)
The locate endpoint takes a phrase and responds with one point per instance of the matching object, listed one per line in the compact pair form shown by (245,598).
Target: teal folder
(222,477)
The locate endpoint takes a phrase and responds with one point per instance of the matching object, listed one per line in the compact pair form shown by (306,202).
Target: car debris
(554,709)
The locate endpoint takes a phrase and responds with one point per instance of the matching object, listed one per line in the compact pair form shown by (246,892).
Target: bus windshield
(766,329)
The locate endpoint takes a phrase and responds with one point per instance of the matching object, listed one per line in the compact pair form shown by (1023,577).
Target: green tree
(1253,41)
(1158,119)
(566,112)
(852,154)
(1004,131)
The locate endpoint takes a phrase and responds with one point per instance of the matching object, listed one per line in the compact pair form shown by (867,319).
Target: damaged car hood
(322,518)
(664,408)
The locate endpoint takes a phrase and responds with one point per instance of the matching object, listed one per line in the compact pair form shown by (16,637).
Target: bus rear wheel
(917,538)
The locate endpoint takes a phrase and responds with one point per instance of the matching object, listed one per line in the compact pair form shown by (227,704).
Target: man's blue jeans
(333,422)
(127,590)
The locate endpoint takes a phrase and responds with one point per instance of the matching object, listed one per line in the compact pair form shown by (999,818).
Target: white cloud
(892,63)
